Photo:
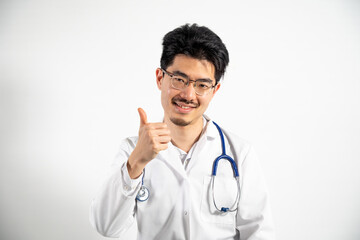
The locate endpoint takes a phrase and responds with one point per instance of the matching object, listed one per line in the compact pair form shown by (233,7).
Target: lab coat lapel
(171,158)
(209,148)
(203,149)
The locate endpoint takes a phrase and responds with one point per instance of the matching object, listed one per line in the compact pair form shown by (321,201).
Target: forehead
(192,67)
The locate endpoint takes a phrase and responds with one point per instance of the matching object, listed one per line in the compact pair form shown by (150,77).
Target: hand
(153,138)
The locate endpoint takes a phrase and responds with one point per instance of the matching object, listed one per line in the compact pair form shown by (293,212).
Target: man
(163,177)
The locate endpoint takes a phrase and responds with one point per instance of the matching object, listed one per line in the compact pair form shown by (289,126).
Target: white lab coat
(180,205)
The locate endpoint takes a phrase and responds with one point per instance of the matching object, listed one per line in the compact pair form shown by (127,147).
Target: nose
(188,92)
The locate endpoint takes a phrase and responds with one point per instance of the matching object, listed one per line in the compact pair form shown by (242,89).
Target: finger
(157,125)
(143,117)
(163,139)
(160,132)
(162,146)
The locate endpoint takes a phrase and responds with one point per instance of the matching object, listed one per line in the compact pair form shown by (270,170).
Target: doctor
(162,178)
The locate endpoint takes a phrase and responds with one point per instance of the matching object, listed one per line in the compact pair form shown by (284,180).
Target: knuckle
(155,147)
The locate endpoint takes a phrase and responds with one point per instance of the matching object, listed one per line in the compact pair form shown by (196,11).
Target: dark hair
(198,42)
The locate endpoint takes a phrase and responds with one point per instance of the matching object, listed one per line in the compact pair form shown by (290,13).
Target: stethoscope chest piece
(143,194)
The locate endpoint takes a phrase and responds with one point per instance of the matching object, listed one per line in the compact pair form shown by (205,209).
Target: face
(185,107)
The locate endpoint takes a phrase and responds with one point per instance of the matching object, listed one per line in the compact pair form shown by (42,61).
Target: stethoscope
(144,193)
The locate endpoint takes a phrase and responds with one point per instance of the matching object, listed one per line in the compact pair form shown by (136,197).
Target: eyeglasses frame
(171,75)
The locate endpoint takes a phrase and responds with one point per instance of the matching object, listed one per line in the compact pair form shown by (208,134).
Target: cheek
(166,96)
(205,102)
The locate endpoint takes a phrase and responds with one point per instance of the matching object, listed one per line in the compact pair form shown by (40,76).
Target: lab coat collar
(211,131)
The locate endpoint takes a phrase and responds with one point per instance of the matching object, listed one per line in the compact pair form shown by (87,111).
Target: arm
(254,220)
(112,210)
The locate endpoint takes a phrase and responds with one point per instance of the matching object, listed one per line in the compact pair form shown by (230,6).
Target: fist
(153,138)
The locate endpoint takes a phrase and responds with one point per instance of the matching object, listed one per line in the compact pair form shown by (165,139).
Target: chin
(180,122)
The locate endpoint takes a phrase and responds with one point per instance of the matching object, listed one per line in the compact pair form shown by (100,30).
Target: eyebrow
(179,73)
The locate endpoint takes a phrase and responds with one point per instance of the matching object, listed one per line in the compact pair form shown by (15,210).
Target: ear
(217,88)
(159,77)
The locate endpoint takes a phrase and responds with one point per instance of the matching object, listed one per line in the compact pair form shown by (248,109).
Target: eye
(179,79)
(204,85)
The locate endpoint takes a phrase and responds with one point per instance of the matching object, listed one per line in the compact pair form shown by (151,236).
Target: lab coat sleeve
(254,220)
(112,210)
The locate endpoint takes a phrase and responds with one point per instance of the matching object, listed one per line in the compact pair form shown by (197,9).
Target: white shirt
(180,205)
(184,156)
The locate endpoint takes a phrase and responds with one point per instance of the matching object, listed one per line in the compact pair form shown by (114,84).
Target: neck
(184,137)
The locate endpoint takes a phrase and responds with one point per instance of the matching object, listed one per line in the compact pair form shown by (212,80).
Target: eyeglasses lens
(201,87)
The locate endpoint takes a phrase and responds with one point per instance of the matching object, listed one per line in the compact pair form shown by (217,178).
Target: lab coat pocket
(224,190)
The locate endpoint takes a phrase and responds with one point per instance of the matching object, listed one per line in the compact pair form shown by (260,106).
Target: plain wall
(73,73)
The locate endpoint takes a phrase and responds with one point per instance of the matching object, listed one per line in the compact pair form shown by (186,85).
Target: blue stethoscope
(144,193)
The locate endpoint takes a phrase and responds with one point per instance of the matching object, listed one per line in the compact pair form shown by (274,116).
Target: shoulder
(126,147)
(238,146)
(235,139)
(230,136)
(128,144)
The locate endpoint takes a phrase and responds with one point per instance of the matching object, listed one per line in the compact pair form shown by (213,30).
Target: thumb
(143,117)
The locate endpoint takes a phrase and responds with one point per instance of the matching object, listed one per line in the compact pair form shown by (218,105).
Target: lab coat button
(185,213)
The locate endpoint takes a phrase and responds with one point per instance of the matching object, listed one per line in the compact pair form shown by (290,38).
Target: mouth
(183,106)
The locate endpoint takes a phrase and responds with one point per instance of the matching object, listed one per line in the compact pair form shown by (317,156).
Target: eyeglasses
(180,82)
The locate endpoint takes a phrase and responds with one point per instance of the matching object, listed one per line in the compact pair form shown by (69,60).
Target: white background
(73,73)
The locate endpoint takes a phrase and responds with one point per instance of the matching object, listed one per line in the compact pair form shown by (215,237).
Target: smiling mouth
(184,104)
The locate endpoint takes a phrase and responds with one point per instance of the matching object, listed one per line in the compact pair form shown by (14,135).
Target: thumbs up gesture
(153,138)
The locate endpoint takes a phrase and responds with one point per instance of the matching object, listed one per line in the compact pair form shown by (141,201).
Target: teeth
(183,107)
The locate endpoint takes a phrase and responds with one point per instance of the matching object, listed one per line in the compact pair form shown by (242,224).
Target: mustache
(179,99)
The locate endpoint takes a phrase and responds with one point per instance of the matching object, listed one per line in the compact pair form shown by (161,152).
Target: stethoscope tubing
(226,209)
(235,170)
(224,155)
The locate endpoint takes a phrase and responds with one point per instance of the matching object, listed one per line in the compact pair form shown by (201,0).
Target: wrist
(134,167)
